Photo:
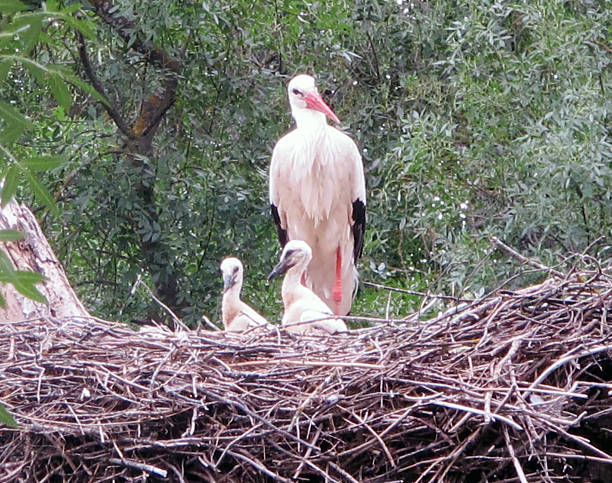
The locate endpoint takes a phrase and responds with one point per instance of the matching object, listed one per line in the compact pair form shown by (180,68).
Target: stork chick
(301,304)
(237,316)
(317,194)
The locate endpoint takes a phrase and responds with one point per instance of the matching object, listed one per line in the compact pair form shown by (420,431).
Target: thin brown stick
(139,466)
(109,105)
(523,259)
(517,465)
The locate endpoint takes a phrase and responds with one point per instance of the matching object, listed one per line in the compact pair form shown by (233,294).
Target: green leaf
(51,5)
(36,70)
(84,86)
(11,6)
(70,9)
(6,277)
(29,35)
(60,91)
(85,26)
(10,235)
(10,185)
(5,67)
(43,163)
(14,119)
(29,277)
(2,302)
(6,267)
(41,193)
(27,288)
(5,417)
(10,134)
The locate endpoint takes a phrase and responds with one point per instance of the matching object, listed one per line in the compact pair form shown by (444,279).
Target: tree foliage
(22,30)
(475,120)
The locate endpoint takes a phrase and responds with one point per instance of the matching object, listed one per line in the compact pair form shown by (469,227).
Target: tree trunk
(33,253)
(138,135)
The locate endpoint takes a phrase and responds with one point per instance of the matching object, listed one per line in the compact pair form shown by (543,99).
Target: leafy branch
(22,31)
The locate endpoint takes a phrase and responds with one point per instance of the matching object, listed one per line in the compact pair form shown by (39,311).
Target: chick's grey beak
(228,281)
(280,268)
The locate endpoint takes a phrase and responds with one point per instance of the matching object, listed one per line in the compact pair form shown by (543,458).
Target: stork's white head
(297,254)
(231,271)
(305,100)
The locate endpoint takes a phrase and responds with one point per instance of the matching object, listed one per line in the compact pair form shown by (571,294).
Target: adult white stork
(304,312)
(317,194)
(237,316)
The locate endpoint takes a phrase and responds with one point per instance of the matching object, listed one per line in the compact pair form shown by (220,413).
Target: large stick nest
(511,387)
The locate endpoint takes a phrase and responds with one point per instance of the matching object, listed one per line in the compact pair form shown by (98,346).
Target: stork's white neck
(233,293)
(293,277)
(308,119)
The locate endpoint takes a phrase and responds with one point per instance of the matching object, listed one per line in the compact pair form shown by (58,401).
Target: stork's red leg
(337,291)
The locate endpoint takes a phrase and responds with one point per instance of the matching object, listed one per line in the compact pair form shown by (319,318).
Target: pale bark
(34,253)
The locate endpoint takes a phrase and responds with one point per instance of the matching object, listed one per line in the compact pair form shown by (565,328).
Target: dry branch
(514,387)
(33,253)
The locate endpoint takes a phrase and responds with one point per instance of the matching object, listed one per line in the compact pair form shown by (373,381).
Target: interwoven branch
(507,387)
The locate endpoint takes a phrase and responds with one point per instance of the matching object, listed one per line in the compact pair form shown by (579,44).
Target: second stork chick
(305,312)
(237,316)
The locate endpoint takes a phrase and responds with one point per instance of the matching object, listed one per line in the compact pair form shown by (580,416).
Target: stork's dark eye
(288,253)
(296,92)
(235,269)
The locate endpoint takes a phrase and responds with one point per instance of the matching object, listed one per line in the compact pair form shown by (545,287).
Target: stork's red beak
(314,101)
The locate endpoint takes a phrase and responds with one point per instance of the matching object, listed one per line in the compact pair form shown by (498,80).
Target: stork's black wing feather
(359,222)
(282,233)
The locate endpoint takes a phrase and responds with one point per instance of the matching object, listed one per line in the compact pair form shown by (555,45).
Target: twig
(139,466)
(209,324)
(360,365)
(267,423)
(258,465)
(378,438)
(346,475)
(460,407)
(517,465)
(582,457)
(562,361)
(523,259)
(414,292)
(178,322)
(307,455)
